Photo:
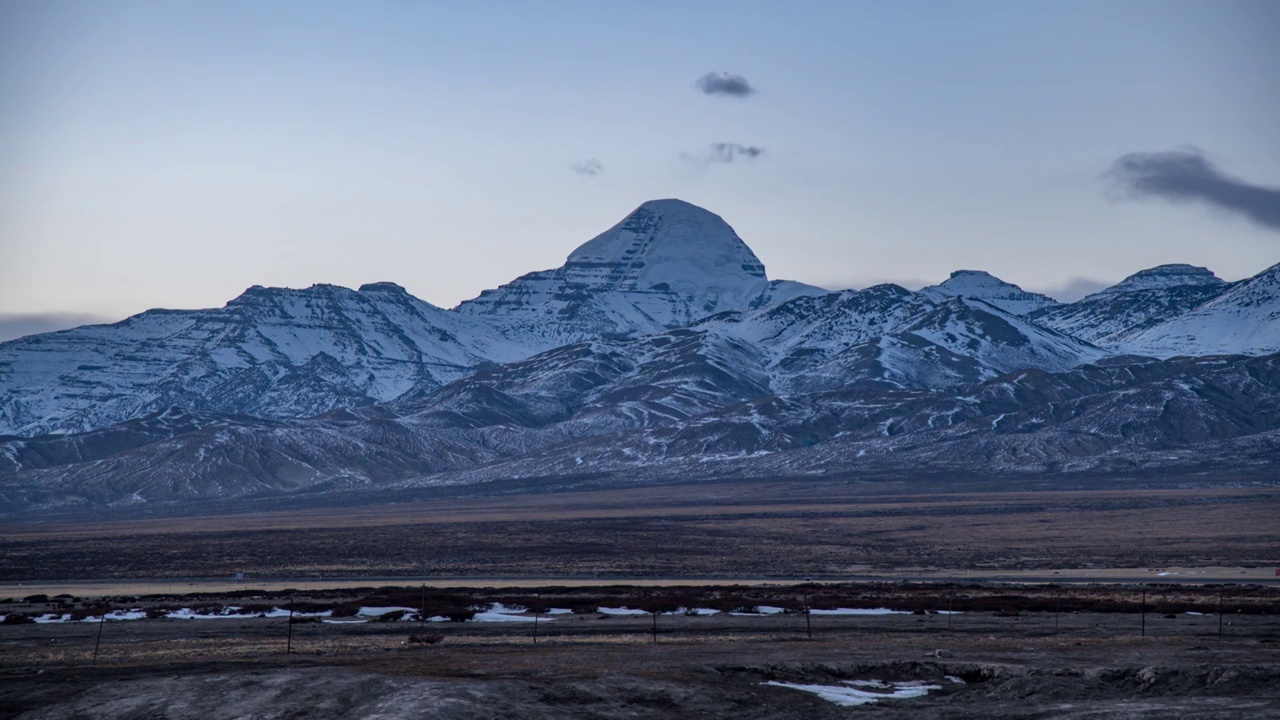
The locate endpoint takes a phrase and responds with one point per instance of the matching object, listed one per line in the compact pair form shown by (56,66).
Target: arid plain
(1150,601)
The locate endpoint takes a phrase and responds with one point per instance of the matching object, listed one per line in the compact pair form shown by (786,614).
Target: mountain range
(659,350)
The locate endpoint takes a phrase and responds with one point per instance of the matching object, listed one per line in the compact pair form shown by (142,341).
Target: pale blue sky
(173,153)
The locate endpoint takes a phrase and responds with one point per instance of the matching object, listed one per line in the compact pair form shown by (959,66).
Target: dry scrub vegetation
(742,530)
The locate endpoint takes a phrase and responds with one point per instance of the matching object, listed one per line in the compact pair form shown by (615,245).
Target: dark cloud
(1187,176)
(725,84)
(724,153)
(587,168)
(16,326)
(728,152)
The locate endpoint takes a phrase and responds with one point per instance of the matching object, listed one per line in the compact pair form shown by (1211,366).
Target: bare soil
(1095,665)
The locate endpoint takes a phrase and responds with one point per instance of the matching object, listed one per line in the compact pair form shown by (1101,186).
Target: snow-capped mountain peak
(1244,319)
(1165,276)
(1112,317)
(665,265)
(676,247)
(659,346)
(981,285)
(667,242)
(383,287)
(668,267)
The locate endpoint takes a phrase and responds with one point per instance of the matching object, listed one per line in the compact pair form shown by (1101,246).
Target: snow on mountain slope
(616,308)
(887,334)
(270,352)
(1140,301)
(854,338)
(250,457)
(1245,319)
(671,406)
(65,449)
(979,285)
(892,361)
(667,264)
(998,339)
(509,410)
(833,321)
(1176,415)
(602,385)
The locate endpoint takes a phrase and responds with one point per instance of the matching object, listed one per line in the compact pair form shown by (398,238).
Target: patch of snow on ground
(761,610)
(501,613)
(620,611)
(282,612)
(224,614)
(859,611)
(368,612)
(53,618)
(114,616)
(694,611)
(849,696)
(954,679)
(121,615)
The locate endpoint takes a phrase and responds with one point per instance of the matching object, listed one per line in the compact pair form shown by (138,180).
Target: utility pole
(422,611)
(101,621)
(1144,612)
(808,623)
(288,648)
(1220,591)
(537,610)
(655,624)
(951,602)
(1057,608)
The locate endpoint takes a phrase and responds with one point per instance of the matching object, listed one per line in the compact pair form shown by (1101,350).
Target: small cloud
(16,326)
(724,153)
(725,84)
(728,152)
(587,168)
(1187,176)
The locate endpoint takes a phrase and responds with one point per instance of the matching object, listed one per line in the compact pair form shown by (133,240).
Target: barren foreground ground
(1095,665)
(1066,646)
